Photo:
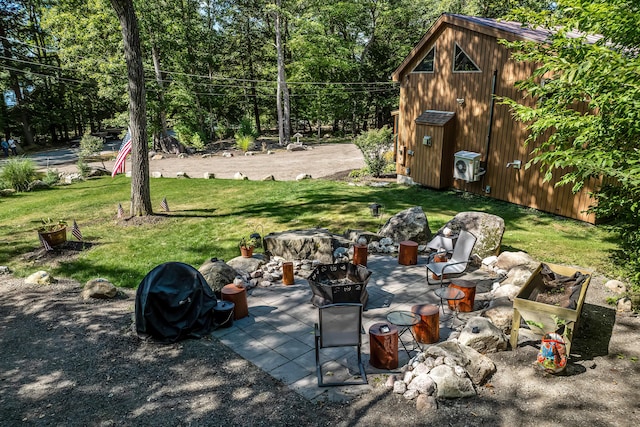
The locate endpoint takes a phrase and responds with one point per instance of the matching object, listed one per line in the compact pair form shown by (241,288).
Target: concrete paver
(278,336)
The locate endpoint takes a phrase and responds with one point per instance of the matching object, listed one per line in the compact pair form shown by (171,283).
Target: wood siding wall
(468,130)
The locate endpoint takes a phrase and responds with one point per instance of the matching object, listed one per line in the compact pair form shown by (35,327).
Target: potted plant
(247,245)
(54,232)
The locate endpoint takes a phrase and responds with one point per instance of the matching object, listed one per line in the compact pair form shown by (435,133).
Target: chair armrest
(449,264)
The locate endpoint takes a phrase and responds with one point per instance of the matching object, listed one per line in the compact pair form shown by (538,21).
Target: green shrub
(244,142)
(90,145)
(52,177)
(18,173)
(83,167)
(374,144)
(196,142)
(246,128)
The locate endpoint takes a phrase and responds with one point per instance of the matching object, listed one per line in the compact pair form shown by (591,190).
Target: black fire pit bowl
(336,283)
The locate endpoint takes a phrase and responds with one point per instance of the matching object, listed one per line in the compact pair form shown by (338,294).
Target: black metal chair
(339,325)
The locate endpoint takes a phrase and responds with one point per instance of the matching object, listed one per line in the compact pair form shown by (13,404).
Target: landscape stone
(409,224)
(399,387)
(426,403)
(269,178)
(309,244)
(449,385)
(500,312)
(99,288)
(423,383)
(209,175)
(478,366)
(181,175)
(156,174)
(507,291)
(411,394)
(520,274)
(247,265)
(303,176)
(217,273)
(616,286)
(509,260)
(240,176)
(38,185)
(487,228)
(483,336)
(40,278)
(624,305)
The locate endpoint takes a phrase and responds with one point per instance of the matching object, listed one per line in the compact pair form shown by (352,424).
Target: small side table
(449,294)
(360,253)
(465,305)
(383,346)
(238,296)
(428,330)
(405,320)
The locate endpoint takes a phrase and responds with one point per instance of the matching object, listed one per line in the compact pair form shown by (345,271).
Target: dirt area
(318,160)
(65,361)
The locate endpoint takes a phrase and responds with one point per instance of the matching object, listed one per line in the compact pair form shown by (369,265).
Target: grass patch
(208,218)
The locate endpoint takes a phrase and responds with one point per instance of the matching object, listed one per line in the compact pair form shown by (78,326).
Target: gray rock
(181,175)
(624,305)
(423,383)
(157,157)
(240,176)
(269,178)
(295,147)
(40,278)
(500,312)
(520,274)
(507,291)
(99,288)
(311,244)
(209,175)
(411,394)
(4,269)
(449,385)
(303,176)
(487,228)
(399,387)
(483,336)
(247,265)
(409,224)
(616,286)
(217,273)
(156,174)
(37,185)
(391,379)
(426,403)
(509,260)
(479,367)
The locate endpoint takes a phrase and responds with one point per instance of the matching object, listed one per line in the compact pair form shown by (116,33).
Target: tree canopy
(592,60)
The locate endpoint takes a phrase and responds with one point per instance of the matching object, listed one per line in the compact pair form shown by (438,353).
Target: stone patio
(278,334)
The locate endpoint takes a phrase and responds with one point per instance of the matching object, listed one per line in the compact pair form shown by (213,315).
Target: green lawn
(208,217)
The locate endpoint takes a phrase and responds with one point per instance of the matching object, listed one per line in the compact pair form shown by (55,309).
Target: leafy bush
(52,177)
(18,173)
(246,128)
(89,145)
(374,144)
(83,167)
(244,142)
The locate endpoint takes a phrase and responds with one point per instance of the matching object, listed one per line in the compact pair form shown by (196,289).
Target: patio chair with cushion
(458,262)
(339,325)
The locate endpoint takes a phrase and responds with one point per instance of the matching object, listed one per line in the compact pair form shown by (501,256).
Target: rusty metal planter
(542,318)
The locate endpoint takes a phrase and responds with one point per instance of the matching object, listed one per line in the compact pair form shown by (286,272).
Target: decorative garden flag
(164,205)
(75,230)
(125,149)
(45,244)
(120,211)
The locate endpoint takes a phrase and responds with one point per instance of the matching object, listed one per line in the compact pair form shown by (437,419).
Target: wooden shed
(452,133)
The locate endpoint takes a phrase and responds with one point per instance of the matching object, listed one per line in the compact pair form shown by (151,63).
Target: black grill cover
(174,302)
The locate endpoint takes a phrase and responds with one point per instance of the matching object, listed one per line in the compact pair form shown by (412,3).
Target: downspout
(490,126)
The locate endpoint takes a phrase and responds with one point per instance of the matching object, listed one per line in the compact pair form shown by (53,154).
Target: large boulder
(487,228)
(217,273)
(449,384)
(409,224)
(99,288)
(247,265)
(313,244)
(483,336)
(478,366)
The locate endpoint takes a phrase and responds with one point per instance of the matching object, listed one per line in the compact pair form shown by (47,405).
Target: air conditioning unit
(466,166)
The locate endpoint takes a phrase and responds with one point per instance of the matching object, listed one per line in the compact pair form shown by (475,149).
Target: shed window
(462,62)
(426,65)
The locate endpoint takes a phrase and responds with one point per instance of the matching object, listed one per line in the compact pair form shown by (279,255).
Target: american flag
(164,205)
(120,211)
(75,230)
(45,244)
(125,149)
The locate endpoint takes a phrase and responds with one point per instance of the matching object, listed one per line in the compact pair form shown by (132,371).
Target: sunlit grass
(208,218)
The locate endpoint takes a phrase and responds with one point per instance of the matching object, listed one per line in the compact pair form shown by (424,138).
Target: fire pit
(335,283)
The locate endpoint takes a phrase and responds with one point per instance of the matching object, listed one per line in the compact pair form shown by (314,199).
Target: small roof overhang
(435,118)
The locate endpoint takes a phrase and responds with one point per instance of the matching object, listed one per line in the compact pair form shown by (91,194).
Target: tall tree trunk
(140,189)
(282,104)
(160,80)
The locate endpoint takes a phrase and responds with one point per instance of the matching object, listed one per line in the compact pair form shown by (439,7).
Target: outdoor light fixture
(375,209)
